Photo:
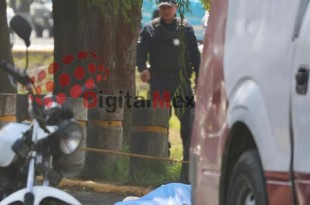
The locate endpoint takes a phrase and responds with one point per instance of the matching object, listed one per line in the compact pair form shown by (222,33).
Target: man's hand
(145,75)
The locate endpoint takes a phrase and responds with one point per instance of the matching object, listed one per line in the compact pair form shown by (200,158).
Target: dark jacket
(160,44)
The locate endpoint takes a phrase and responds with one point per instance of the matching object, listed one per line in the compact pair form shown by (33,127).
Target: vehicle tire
(39,30)
(52,201)
(247,182)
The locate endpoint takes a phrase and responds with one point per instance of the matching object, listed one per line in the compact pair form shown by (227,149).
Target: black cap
(166,2)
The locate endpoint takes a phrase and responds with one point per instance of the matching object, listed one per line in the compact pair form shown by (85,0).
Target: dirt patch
(93,193)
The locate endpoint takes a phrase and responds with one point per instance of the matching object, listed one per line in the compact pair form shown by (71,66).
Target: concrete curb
(105,188)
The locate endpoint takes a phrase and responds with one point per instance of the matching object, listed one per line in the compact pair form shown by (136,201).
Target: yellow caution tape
(106,123)
(104,151)
(82,123)
(157,129)
(8,118)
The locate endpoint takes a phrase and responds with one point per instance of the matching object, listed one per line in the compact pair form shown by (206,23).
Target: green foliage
(206,4)
(183,7)
(111,8)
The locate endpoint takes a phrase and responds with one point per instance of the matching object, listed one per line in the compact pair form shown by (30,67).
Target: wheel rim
(246,194)
(250,200)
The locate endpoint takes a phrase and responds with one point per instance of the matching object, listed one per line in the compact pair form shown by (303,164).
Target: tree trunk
(115,40)
(105,40)
(5,51)
(81,27)
(67,39)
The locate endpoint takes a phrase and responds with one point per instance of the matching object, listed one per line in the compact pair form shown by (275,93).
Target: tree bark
(80,26)
(5,51)
(106,40)
(67,40)
(115,40)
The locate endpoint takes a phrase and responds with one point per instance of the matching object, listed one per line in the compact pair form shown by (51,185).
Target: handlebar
(21,77)
(24,79)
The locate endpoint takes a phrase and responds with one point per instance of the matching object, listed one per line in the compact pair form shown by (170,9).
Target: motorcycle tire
(48,201)
(52,201)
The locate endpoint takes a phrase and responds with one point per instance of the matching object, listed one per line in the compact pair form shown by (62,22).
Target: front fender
(40,193)
(247,105)
(8,136)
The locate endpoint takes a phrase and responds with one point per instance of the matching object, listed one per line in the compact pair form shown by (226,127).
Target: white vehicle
(251,138)
(28,150)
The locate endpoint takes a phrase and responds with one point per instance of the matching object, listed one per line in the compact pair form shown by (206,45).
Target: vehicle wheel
(52,201)
(247,184)
(39,30)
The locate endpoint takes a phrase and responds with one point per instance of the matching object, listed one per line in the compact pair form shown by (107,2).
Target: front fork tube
(31,172)
(29,196)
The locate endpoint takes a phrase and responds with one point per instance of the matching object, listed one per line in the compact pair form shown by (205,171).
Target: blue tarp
(169,194)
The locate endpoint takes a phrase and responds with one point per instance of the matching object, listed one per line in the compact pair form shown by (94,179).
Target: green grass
(38,61)
(169,173)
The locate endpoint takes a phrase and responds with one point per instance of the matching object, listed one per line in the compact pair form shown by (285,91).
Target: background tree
(107,28)
(106,31)
(5,51)
(206,4)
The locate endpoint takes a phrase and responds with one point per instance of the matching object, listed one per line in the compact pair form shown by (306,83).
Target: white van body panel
(301,103)
(262,38)
(247,106)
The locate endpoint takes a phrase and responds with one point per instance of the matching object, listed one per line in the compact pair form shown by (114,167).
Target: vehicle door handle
(302,78)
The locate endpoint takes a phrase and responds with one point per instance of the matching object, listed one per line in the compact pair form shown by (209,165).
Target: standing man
(161,42)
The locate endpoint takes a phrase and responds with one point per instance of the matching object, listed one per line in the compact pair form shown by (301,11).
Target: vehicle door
(300,106)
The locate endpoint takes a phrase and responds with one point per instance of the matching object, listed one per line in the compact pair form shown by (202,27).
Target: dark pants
(184,114)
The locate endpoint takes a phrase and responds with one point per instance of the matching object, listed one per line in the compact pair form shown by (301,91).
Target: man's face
(167,13)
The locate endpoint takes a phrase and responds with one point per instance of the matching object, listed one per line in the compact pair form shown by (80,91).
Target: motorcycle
(28,150)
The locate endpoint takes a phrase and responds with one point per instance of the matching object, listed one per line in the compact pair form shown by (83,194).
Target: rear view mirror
(22,28)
